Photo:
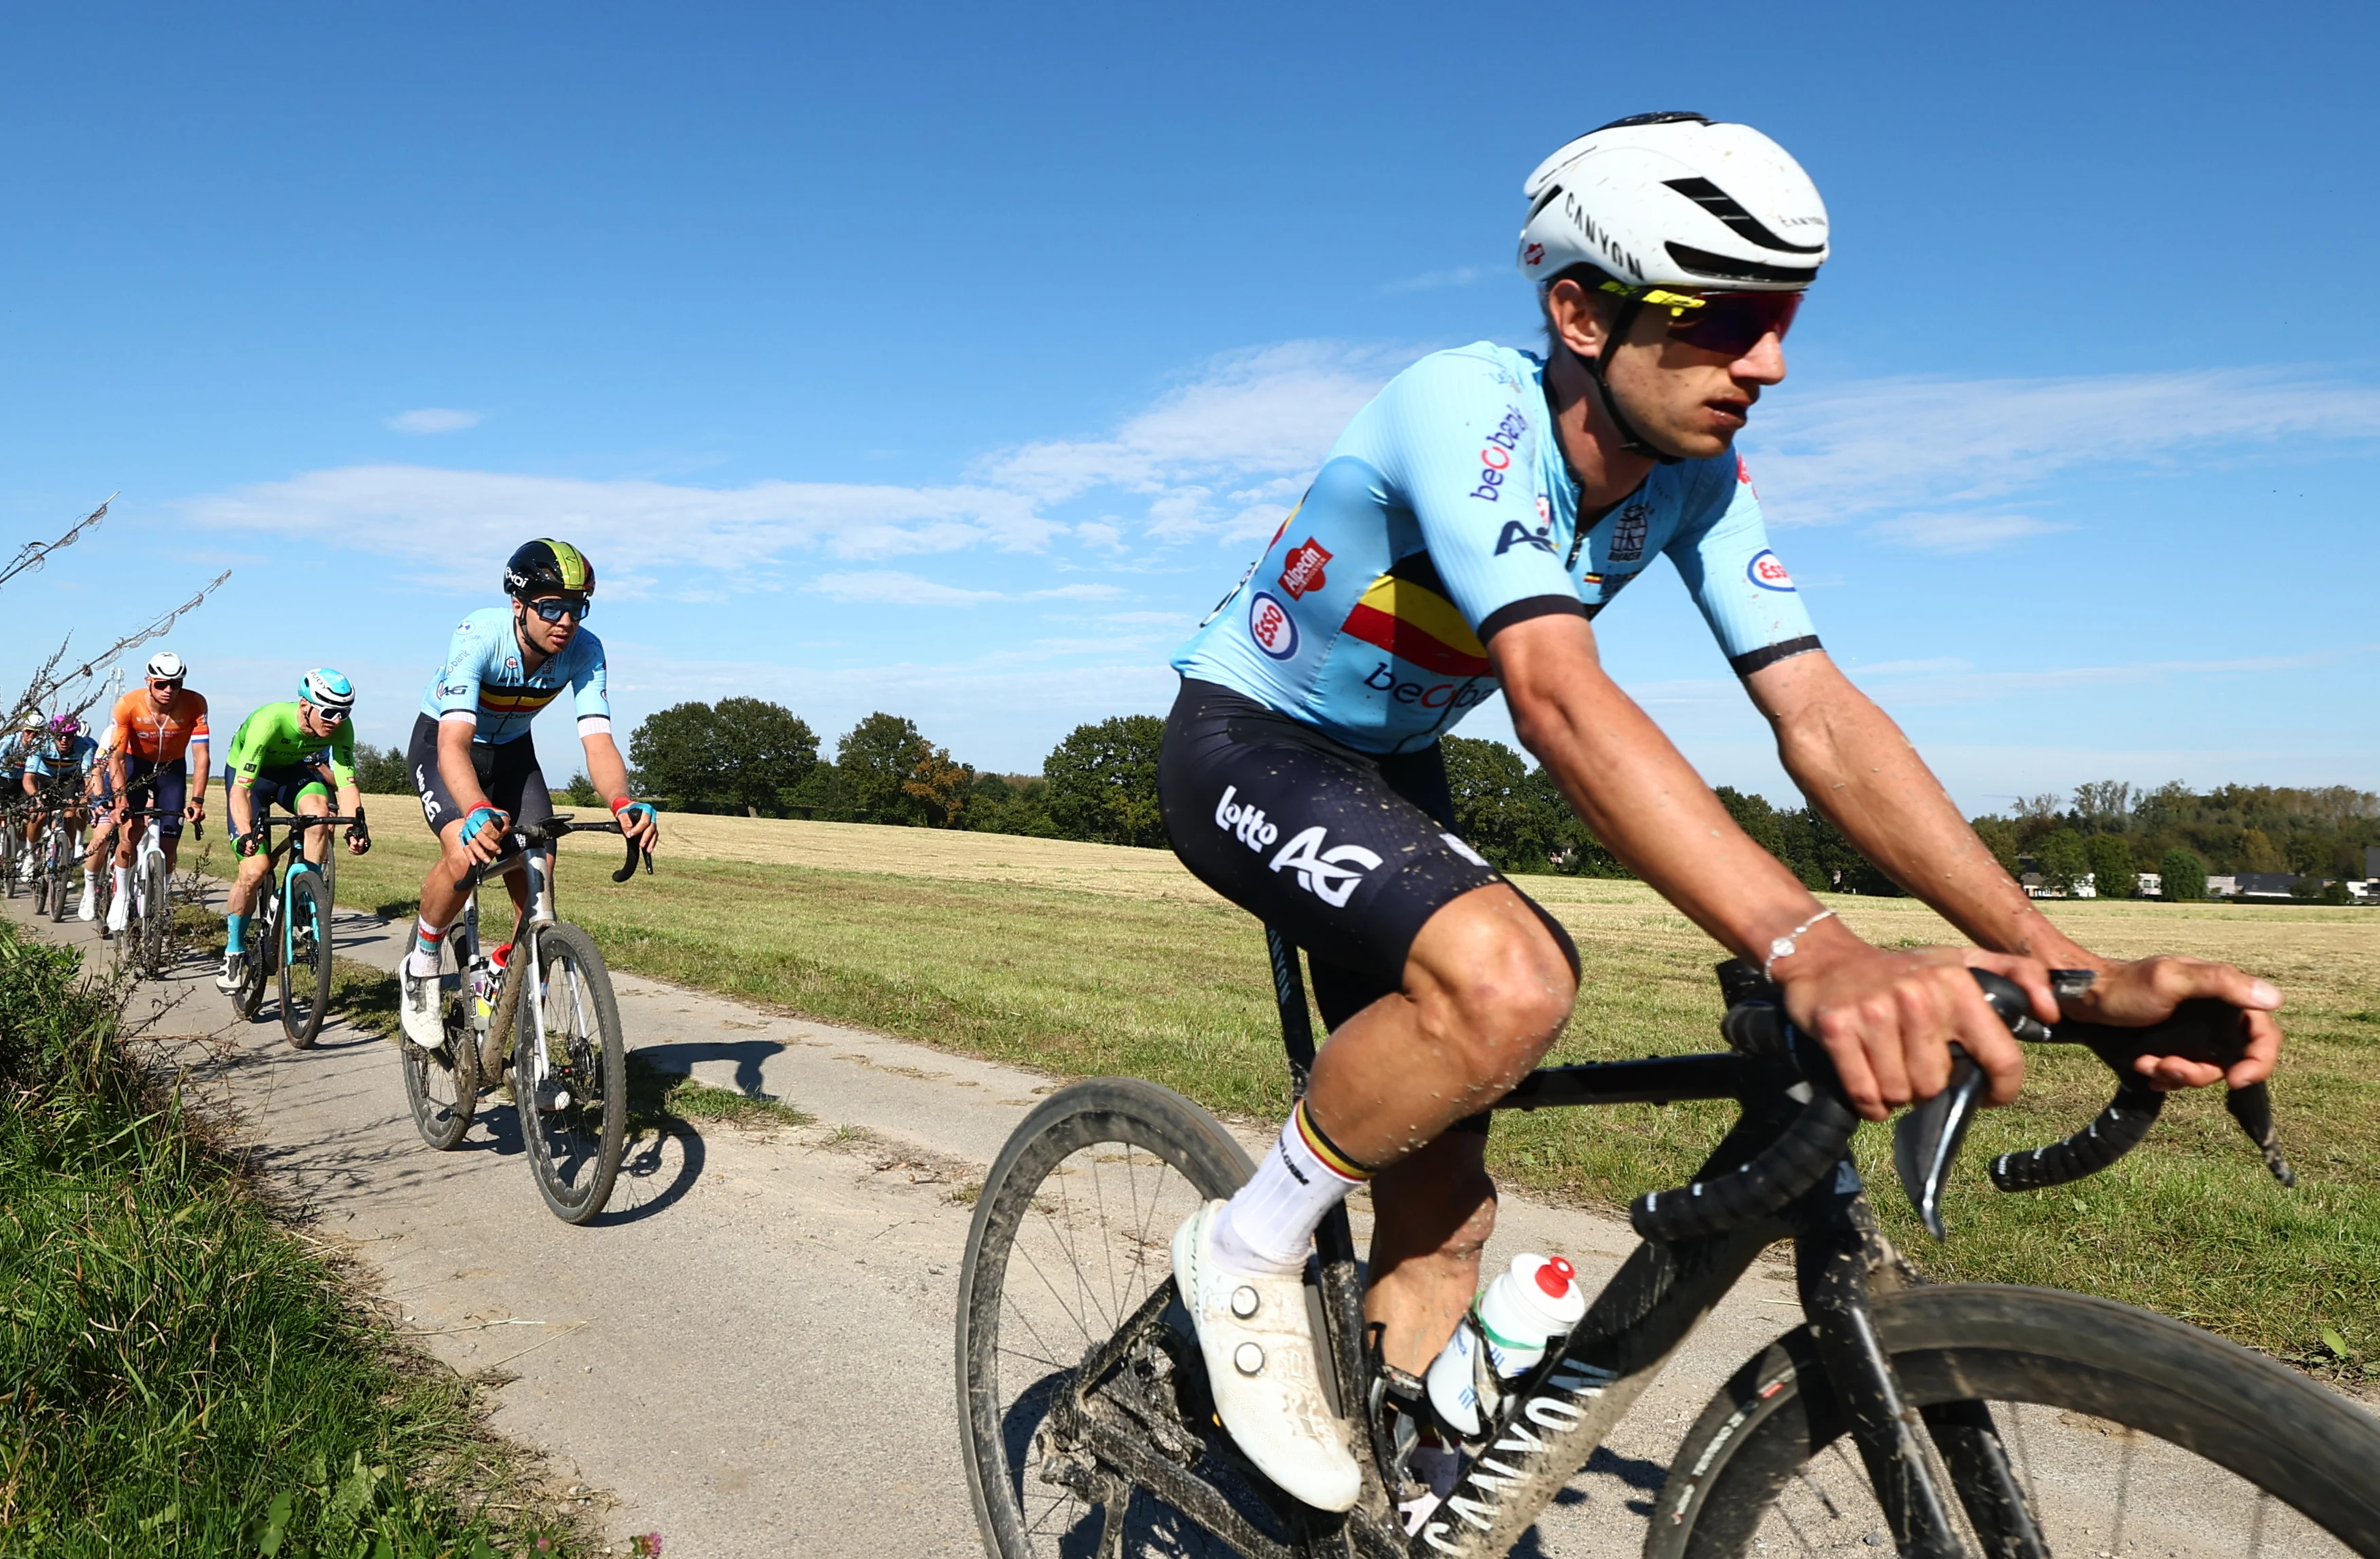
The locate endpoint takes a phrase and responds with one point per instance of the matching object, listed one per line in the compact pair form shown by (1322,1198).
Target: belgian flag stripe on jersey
(1405,612)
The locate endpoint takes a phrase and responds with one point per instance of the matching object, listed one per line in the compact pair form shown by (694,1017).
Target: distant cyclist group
(1460,540)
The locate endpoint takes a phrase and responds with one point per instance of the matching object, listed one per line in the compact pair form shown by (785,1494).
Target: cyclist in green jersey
(292,754)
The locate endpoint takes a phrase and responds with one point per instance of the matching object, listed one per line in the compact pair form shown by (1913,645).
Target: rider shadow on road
(679,1060)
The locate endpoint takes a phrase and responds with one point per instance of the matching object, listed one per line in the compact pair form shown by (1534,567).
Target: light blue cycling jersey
(50,764)
(1446,513)
(13,749)
(483,681)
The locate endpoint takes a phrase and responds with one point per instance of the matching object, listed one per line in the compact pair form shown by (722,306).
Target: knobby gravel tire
(156,918)
(2106,1376)
(441,1086)
(574,1152)
(306,972)
(1028,1176)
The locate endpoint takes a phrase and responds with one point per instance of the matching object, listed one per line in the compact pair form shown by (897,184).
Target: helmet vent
(1726,267)
(1543,201)
(1722,205)
(1674,117)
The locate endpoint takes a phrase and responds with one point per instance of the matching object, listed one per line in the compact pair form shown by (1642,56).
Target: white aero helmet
(1674,200)
(167,666)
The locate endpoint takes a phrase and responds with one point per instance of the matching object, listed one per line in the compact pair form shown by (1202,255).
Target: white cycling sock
(123,880)
(422,962)
(1269,1224)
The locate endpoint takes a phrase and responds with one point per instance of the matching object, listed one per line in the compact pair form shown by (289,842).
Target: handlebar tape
(2117,1131)
(1801,1157)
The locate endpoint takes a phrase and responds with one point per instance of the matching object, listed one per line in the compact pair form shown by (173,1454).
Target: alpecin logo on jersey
(1270,625)
(1628,533)
(1766,570)
(1496,455)
(1302,570)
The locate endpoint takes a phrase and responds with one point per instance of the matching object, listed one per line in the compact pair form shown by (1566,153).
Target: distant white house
(2151,885)
(2364,892)
(2223,887)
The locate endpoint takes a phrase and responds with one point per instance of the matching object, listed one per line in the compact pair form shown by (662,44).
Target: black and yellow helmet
(545,565)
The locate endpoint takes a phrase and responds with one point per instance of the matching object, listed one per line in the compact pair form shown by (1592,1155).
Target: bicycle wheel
(11,854)
(58,870)
(305,965)
(257,940)
(576,1123)
(1071,1239)
(2126,1433)
(156,918)
(441,1086)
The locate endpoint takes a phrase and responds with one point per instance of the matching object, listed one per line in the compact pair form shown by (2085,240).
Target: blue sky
(953,361)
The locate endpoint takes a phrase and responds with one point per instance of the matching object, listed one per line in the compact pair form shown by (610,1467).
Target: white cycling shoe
(417,1008)
(1262,1370)
(90,910)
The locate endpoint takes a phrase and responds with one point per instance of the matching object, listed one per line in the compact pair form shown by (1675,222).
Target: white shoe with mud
(1262,1368)
(417,1008)
(90,910)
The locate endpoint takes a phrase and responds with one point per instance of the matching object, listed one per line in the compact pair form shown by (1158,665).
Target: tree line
(751,757)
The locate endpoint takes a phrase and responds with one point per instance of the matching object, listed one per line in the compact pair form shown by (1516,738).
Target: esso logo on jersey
(1766,572)
(1270,625)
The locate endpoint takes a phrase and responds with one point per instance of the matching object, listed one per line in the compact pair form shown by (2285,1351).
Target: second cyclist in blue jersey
(1460,540)
(473,764)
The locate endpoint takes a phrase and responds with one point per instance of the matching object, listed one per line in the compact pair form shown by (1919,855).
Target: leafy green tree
(1102,781)
(878,758)
(760,749)
(2061,860)
(1756,818)
(581,790)
(823,797)
(939,784)
(676,752)
(1999,837)
(1498,810)
(2113,876)
(380,772)
(999,803)
(2184,875)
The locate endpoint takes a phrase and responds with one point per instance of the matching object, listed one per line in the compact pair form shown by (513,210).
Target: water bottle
(486,976)
(1515,1319)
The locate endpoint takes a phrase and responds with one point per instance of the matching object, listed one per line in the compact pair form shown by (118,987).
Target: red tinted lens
(1734,323)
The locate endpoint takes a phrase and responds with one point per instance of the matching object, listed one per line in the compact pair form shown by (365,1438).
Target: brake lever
(1926,1139)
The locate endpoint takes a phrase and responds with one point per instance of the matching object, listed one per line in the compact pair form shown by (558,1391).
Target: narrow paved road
(751,1352)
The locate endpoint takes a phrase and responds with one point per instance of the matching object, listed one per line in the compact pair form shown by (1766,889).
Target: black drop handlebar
(523,839)
(1928,1137)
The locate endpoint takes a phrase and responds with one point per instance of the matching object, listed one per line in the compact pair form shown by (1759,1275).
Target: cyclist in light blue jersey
(1459,538)
(473,764)
(62,771)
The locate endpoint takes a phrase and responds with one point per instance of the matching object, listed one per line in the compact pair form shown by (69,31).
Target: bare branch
(35,553)
(49,680)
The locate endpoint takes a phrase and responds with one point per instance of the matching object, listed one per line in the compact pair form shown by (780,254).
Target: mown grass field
(1082,959)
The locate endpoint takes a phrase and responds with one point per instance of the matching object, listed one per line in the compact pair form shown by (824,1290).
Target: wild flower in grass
(646,1545)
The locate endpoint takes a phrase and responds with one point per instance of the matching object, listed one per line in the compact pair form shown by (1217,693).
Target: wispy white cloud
(1431,281)
(1956,683)
(893,587)
(431,517)
(1951,531)
(433,420)
(1826,455)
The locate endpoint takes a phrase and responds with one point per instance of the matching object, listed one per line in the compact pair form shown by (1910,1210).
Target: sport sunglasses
(553,609)
(1730,322)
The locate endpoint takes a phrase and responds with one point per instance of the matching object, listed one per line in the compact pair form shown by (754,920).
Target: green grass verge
(178,1372)
(1082,984)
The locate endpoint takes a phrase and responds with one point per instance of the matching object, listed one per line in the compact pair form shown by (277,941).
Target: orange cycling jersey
(141,732)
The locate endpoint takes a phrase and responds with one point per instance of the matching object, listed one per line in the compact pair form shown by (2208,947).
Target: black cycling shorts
(508,772)
(280,787)
(1347,854)
(166,786)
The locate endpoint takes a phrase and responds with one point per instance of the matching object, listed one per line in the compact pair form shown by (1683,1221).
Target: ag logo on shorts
(1768,572)
(1270,625)
(1330,875)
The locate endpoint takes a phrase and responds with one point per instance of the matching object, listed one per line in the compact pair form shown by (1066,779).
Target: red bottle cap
(1555,1276)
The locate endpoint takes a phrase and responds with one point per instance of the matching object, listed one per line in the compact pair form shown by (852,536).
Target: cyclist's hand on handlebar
(638,821)
(358,841)
(483,833)
(1887,1019)
(2146,991)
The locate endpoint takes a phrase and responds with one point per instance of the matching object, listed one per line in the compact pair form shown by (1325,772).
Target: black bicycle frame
(1555,1418)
